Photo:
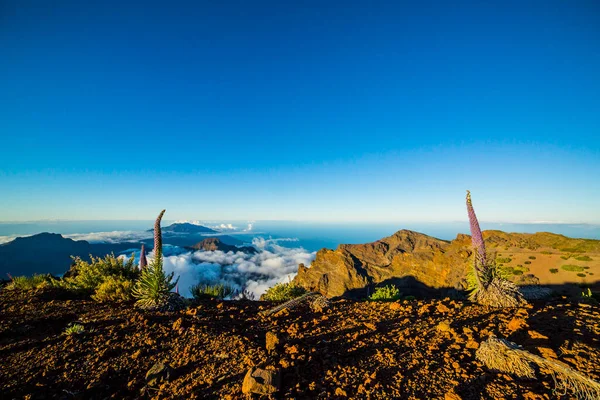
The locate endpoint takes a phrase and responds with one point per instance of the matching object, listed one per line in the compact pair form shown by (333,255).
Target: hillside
(421,264)
(406,350)
(49,253)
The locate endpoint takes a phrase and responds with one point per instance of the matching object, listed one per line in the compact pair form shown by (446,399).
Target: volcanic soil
(409,349)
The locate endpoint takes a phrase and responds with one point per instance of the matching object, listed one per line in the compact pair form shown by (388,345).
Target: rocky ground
(409,349)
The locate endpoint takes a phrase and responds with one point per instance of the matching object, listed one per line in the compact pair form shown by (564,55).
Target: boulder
(159,373)
(261,381)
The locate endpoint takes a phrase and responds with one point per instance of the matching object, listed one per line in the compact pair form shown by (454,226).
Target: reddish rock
(261,381)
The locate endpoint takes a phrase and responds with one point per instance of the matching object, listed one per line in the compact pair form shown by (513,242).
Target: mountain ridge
(418,261)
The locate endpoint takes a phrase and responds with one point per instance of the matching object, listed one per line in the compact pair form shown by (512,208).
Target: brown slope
(418,262)
(406,255)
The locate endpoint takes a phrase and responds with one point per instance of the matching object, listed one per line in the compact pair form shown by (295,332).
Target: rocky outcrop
(213,243)
(408,259)
(418,263)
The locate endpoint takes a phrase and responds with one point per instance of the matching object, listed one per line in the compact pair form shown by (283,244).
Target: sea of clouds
(255,273)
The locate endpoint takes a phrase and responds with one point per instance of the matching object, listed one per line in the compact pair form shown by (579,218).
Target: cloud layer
(253,272)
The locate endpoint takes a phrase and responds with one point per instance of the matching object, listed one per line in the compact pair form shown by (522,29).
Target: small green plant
(283,292)
(547,252)
(153,289)
(526,262)
(114,289)
(206,292)
(588,296)
(386,293)
(565,257)
(30,282)
(583,258)
(573,268)
(503,260)
(554,270)
(532,257)
(581,275)
(74,329)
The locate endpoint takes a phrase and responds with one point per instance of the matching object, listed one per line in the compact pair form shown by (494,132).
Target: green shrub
(572,268)
(283,292)
(553,270)
(588,297)
(386,293)
(517,272)
(74,329)
(30,282)
(526,262)
(154,285)
(547,252)
(581,275)
(583,258)
(565,257)
(532,257)
(90,275)
(206,292)
(114,289)
(503,260)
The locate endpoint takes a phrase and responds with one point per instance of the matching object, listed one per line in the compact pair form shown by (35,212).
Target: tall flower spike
(158,237)
(476,236)
(143,260)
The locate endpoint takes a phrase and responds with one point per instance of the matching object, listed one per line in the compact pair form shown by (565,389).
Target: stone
(441,308)
(443,326)
(516,323)
(261,381)
(158,374)
(272,341)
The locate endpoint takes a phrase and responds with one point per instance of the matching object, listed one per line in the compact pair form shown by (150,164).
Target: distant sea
(310,235)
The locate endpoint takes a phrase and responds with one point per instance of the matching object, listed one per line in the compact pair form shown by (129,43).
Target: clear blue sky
(347,111)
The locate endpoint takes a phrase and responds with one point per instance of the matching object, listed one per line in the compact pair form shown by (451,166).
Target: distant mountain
(213,243)
(417,262)
(186,228)
(49,253)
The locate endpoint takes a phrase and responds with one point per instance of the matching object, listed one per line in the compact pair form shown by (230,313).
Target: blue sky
(349,111)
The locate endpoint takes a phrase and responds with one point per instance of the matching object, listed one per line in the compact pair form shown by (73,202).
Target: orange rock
(547,352)
(536,335)
(395,306)
(261,381)
(516,323)
(442,309)
(451,395)
(340,392)
(178,324)
(272,341)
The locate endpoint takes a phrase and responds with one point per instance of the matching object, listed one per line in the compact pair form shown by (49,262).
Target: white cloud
(111,237)
(10,238)
(253,272)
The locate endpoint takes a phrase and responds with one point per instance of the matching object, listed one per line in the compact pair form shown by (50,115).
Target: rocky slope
(212,244)
(418,263)
(405,350)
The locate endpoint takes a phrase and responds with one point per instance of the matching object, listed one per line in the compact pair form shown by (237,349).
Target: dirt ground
(542,262)
(362,350)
